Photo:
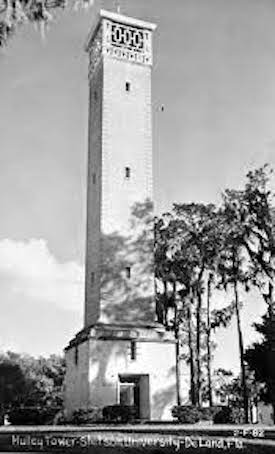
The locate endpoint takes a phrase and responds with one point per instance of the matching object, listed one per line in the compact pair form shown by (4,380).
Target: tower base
(127,365)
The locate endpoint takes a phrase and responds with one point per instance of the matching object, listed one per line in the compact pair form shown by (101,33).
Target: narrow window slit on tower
(92,278)
(76,355)
(127,86)
(133,350)
(127,172)
(94,178)
(128,272)
(95,95)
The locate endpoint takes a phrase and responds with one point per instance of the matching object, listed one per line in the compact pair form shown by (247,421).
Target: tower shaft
(119,283)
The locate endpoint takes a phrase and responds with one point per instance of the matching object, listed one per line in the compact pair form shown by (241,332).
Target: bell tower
(119,170)
(118,356)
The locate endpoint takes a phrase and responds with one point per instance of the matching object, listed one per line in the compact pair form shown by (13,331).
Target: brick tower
(118,357)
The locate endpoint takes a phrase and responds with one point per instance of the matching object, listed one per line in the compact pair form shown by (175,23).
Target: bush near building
(87,416)
(109,414)
(119,413)
(32,415)
(230,415)
(188,414)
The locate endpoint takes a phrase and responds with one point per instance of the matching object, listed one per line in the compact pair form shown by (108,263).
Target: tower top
(120,37)
(120,19)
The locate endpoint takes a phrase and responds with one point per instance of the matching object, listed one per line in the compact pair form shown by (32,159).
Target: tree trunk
(198,343)
(165,305)
(209,378)
(198,349)
(271,341)
(241,350)
(2,414)
(178,378)
(191,357)
(176,328)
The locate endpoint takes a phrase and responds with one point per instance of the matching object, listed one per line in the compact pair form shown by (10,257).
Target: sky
(214,73)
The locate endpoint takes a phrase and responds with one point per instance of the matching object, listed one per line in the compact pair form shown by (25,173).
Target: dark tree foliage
(258,358)
(13,384)
(15,13)
(31,382)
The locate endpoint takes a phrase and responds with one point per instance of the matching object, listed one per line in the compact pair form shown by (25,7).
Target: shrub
(189,414)
(223,416)
(86,416)
(230,415)
(207,413)
(32,415)
(119,413)
(237,415)
(60,419)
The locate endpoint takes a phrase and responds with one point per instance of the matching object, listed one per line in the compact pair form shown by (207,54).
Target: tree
(260,245)
(258,198)
(232,266)
(199,247)
(199,228)
(163,267)
(209,378)
(173,269)
(30,382)
(164,274)
(214,318)
(221,385)
(187,246)
(257,357)
(228,388)
(14,13)
(12,385)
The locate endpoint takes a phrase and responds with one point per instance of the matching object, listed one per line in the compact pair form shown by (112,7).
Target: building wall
(120,136)
(108,359)
(127,141)
(76,393)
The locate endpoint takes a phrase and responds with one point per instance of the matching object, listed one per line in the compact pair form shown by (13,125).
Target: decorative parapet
(120,37)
